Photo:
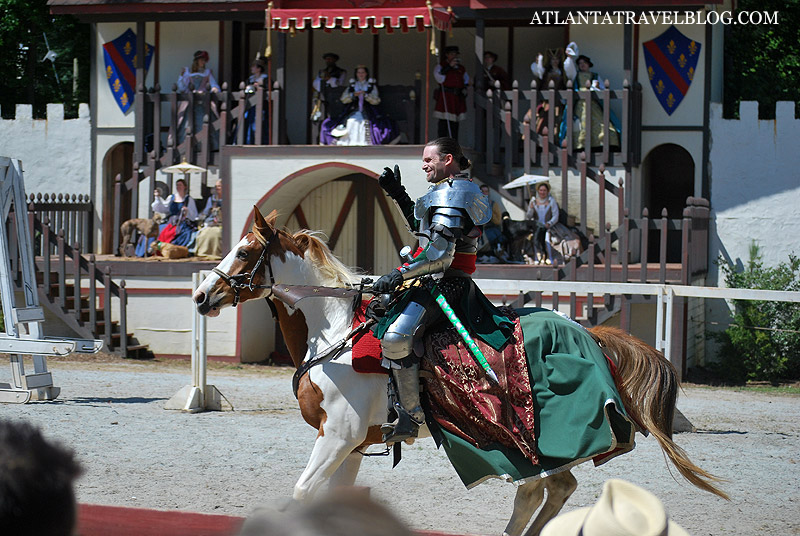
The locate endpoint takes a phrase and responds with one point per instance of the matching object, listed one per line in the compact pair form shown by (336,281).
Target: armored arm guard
(437,255)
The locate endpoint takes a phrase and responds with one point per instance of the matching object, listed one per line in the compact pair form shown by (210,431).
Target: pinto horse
(347,407)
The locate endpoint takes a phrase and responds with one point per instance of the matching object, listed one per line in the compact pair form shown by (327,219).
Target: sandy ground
(137,454)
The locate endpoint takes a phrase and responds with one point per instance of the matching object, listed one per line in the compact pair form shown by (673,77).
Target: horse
(347,407)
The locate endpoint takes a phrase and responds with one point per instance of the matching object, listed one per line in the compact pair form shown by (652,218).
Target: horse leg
(328,454)
(528,498)
(346,474)
(559,488)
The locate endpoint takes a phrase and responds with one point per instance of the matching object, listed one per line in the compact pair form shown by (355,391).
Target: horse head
(246,271)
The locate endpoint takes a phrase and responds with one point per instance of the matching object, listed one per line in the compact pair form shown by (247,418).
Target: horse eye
(241,254)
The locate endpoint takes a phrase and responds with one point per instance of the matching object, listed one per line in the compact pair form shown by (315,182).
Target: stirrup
(404,427)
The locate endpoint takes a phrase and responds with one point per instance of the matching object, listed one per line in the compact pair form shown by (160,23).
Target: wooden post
(240,109)
(92,294)
(645,227)
(62,269)
(123,319)
(623,246)
(590,277)
(76,280)
(46,255)
(601,199)
(582,168)
(117,214)
(573,276)
(489,131)
(662,250)
(107,308)
(686,260)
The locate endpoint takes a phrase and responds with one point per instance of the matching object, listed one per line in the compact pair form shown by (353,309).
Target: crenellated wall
(55,152)
(755,184)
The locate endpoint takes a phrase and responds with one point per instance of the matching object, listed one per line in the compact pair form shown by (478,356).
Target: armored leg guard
(409,411)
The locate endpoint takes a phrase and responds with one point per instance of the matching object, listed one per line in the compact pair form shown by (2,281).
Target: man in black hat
(331,75)
(494,73)
(451,95)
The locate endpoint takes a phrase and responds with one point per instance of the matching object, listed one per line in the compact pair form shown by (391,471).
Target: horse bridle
(244,280)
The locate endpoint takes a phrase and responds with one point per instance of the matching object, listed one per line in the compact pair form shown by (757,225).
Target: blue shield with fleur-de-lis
(120,61)
(671,60)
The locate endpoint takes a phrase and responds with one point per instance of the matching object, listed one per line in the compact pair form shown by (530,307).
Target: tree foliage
(762,62)
(762,341)
(24,77)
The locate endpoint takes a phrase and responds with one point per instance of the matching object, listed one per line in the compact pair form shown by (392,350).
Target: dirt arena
(137,454)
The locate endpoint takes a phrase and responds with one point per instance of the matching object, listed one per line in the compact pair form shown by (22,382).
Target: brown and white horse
(347,407)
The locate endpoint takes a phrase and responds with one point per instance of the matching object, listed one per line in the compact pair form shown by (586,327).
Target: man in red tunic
(451,95)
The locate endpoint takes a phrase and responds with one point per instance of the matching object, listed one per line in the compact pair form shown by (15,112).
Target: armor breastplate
(457,198)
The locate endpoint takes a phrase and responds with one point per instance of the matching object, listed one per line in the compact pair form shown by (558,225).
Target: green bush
(762,341)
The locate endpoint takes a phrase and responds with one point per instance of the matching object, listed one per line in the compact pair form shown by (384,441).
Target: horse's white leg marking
(528,498)
(348,471)
(328,454)
(559,488)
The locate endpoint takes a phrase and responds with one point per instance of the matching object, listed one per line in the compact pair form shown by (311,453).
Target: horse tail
(648,384)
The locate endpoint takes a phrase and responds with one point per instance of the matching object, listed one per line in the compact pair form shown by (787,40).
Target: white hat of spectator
(572,50)
(623,509)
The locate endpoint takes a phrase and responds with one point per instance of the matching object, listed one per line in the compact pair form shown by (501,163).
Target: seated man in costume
(449,219)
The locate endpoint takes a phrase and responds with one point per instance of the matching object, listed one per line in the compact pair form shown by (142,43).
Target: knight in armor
(448,220)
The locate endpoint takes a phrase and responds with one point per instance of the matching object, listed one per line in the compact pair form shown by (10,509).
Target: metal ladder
(23,324)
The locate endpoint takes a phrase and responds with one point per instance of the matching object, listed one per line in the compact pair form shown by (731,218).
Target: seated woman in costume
(577,68)
(362,123)
(181,211)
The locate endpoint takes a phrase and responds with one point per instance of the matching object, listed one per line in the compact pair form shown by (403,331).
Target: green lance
(451,316)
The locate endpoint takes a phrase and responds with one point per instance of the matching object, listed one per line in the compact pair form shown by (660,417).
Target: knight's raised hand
(387,283)
(390,181)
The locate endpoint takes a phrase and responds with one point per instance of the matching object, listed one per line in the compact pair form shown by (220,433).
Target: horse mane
(333,271)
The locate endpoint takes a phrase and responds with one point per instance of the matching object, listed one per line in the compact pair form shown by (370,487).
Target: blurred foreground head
(36,483)
(346,512)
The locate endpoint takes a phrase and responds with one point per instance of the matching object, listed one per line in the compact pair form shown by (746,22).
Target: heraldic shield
(671,60)
(120,56)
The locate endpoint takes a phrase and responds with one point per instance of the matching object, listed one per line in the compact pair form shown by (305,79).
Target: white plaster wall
(755,189)
(55,152)
(755,185)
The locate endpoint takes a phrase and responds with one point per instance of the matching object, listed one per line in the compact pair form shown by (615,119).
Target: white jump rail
(665,295)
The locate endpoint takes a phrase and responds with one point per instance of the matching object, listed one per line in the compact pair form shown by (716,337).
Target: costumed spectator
(577,68)
(451,95)
(543,209)
(327,88)
(362,122)
(198,79)
(209,236)
(547,69)
(447,245)
(36,483)
(181,211)
(623,509)
(258,78)
(494,73)
(492,239)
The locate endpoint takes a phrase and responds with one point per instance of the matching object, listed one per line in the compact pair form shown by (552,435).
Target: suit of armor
(449,218)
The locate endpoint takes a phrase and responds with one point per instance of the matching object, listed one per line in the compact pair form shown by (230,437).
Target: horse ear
(258,219)
(272,217)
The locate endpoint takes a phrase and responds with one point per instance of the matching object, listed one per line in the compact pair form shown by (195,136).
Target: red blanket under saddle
(366,348)
(464,402)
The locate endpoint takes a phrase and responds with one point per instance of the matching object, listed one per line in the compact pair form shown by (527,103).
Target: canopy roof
(402,18)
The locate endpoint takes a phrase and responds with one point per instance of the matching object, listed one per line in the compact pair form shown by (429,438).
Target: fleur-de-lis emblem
(124,99)
(109,72)
(670,100)
(127,48)
(117,85)
(134,60)
(671,46)
(682,61)
(660,87)
(692,48)
(650,73)
(691,73)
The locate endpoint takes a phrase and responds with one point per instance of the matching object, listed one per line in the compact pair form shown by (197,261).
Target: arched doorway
(668,172)
(361,226)
(118,161)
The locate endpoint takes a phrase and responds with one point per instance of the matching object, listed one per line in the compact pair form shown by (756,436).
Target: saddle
(458,397)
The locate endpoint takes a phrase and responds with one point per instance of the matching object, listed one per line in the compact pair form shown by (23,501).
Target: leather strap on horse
(306,365)
(291,294)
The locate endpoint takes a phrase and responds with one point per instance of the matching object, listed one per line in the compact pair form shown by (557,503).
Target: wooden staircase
(60,271)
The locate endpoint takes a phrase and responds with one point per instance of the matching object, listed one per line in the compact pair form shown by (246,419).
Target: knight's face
(433,165)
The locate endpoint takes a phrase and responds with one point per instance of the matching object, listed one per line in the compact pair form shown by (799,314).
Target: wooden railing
(506,138)
(72,214)
(63,269)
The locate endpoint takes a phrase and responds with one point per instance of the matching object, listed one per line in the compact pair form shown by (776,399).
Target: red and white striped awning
(359,20)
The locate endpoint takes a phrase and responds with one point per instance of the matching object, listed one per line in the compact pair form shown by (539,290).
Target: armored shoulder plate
(462,194)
